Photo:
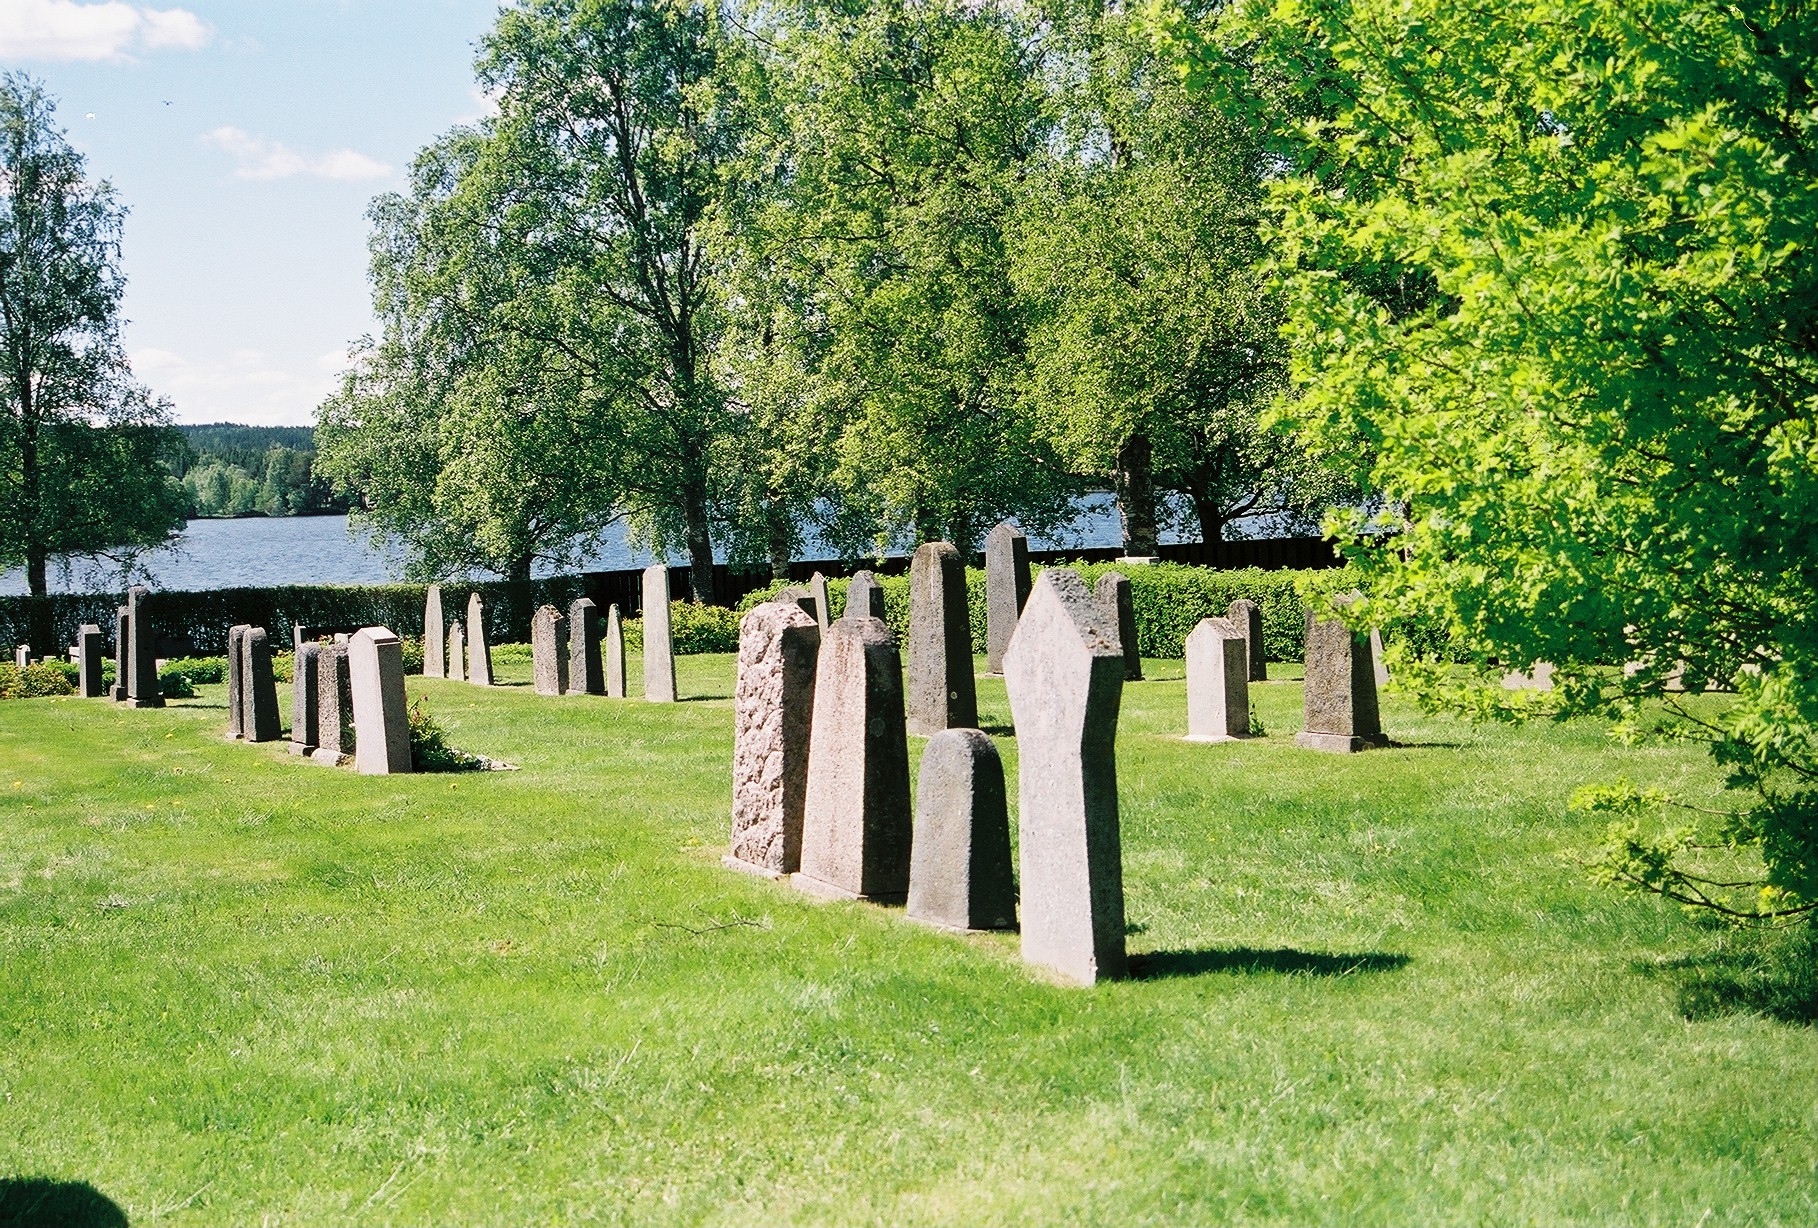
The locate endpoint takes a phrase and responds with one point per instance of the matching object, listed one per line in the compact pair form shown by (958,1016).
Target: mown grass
(1375,989)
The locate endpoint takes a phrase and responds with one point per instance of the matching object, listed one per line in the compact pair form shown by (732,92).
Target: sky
(247,138)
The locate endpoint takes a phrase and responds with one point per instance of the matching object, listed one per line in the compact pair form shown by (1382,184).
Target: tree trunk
(37,569)
(779,540)
(1211,518)
(1135,482)
(700,545)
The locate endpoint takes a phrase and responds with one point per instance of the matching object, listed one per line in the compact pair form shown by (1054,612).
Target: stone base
(1140,560)
(145,703)
(746,867)
(827,891)
(1337,743)
(322,754)
(944,928)
(231,737)
(117,694)
(302,748)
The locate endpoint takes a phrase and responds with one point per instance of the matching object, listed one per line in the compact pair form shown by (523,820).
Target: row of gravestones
(135,662)
(347,698)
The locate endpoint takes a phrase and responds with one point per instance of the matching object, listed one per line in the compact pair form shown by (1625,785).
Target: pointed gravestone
(773,716)
(457,653)
(259,688)
(1064,672)
(615,653)
(88,661)
(548,655)
(584,674)
(959,866)
(236,681)
(305,683)
(1119,604)
(823,605)
(802,599)
(479,652)
(1341,712)
(1247,616)
(659,650)
(334,705)
(864,597)
(381,716)
(1218,682)
(856,821)
(123,639)
(1006,589)
(435,634)
(142,664)
(941,690)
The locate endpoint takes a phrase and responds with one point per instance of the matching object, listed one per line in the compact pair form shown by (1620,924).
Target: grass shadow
(998,731)
(1282,961)
(1770,974)
(39,1202)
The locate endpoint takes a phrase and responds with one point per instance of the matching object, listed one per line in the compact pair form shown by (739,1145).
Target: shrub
(34,681)
(429,748)
(194,671)
(701,628)
(175,685)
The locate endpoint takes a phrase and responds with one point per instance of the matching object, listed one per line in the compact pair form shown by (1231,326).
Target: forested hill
(234,470)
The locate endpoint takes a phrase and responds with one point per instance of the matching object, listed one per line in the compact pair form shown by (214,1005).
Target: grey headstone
(1064,673)
(236,681)
(1114,595)
(123,638)
(1248,617)
(142,661)
(22,656)
(615,652)
(856,823)
(802,599)
(457,652)
(1539,678)
(864,597)
(1218,682)
(659,650)
(479,652)
(584,673)
(305,685)
(823,607)
(88,661)
(959,867)
(1340,689)
(548,652)
(375,666)
(942,694)
(1379,664)
(259,689)
(773,716)
(1006,589)
(334,705)
(435,634)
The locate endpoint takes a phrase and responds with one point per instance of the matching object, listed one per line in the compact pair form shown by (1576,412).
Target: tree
(81,442)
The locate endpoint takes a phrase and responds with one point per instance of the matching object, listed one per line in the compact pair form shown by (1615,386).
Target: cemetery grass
(1374,989)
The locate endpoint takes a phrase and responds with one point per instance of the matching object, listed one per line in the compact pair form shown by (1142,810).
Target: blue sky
(247,138)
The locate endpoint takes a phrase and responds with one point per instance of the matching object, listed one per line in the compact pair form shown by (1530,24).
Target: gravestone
(1379,664)
(1218,682)
(1114,595)
(615,653)
(88,662)
(142,662)
(1006,589)
(856,822)
(773,717)
(798,596)
(236,682)
(548,660)
(959,864)
(1064,672)
(258,688)
(584,675)
(1539,678)
(435,634)
(479,652)
(823,605)
(1247,615)
(22,656)
(381,716)
(456,661)
(334,705)
(659,651)
(1340,689)
(123,636)
(864,597)
(305,682)
(941,689)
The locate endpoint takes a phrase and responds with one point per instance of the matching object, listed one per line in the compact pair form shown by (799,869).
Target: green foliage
(34,681)
(277,480)
(174,685)
(702,628)
(196,669)
(429,748)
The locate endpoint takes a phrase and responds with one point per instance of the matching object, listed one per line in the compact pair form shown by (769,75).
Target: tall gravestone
(1247,616)
(456,661)
(22,656)
(864,597)
(123,638)
(1064,672)
(479,651)
(305,685)
(942,694)
(1218,682)
(823,604)
(856,822)
(435,634)
(1341,712)
(259,688)
(142,665)
(334,705)
(381,716)
(959,865)
(88,661)
(236,681)
(773,717)
(548,655)
(615,652)
(1006,589)
(659,650)
(1119,604)
(584,674)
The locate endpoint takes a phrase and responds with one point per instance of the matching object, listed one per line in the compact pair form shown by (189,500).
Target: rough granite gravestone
(798,596)
(823,602)
(236,682)
(1064,672)
(959,863)
(88,662)
(856,822)
(334,705)
(615,652)
(123,634)
(1247,615)
(259,689)
(479,652)
(1006,589)
(1218,682)
(381,715)
(659,650)
(1340,689)
(584,675)
(1379,664)
(142,662)
(305,681)
(942,694)
(548,660)
(435,634)
(457,652)
(1114,595)
(864,597)
(773,717)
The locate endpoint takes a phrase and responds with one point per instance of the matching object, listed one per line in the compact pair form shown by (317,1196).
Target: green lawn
(239,988)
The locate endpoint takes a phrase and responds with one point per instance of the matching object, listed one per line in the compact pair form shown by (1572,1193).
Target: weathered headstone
(1218,682)
(236,681)
(615,653)
(584,675)
(774,714)
(1064,672)
(479,651)
(142,664)
(959,866)
(823,606)
(457,652)
(381,716)
(659,650)
(798,596)
(22,656)
(1340,689)
(1539,678)
(334,705)
(123,638)
(88,661)
(1114,595)
(1006,589)
(259,689)
(942,694)
(435,634)
(305,685)
(856,822)
(864,597)
(1247,615)
(1379,664)
(548,660)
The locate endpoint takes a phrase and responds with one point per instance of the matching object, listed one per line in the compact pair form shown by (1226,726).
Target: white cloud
(67,30)
(263,159)
(242,385)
